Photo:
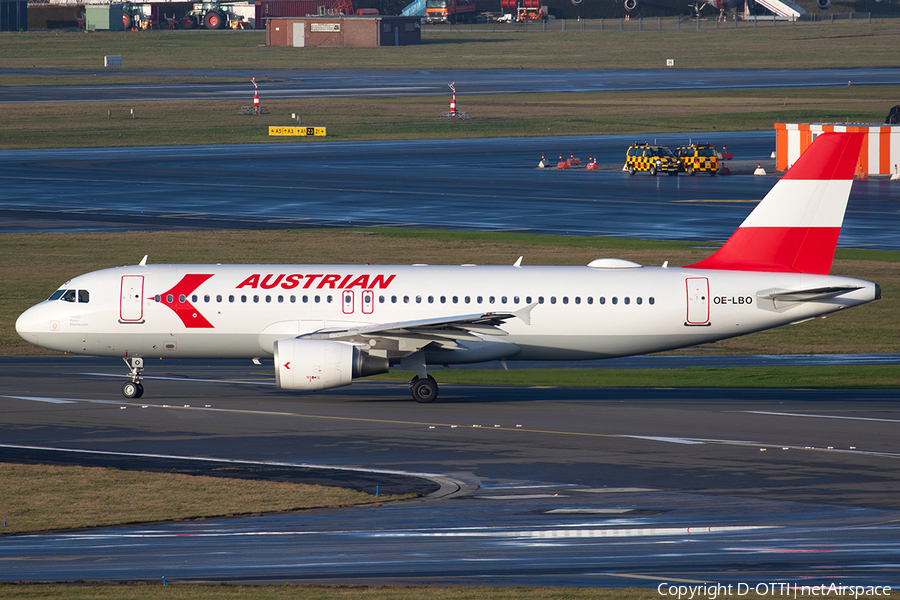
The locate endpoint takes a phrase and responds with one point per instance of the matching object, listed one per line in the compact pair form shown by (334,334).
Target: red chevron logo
(177,299)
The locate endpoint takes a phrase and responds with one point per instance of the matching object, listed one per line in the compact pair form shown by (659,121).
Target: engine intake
(630,5)
(823,4)
(302,364)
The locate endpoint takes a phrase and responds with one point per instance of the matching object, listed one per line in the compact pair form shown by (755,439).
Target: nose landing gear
(133,388)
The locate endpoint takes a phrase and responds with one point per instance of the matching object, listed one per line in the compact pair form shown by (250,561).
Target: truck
(524,10)
(450,11)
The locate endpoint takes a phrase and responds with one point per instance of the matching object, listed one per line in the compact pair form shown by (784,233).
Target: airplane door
(368,302)
(131,299)
(697,301)
(347,297)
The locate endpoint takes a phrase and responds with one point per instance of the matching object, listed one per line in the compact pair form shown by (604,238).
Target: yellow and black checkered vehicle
(698,158)
(652,159)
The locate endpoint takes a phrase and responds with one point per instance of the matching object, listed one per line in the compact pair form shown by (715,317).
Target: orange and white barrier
(880,149)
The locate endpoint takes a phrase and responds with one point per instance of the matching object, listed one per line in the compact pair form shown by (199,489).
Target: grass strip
(50,497)
(845,44)
(183,122)
(806,377)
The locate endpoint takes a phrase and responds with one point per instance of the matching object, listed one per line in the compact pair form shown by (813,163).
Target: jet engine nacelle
(823,4)
(630,5)
(303,364)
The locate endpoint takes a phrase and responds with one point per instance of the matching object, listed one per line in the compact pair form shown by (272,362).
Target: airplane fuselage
(224,311)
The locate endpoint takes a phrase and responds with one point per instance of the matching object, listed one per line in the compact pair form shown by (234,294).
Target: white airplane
(327,324)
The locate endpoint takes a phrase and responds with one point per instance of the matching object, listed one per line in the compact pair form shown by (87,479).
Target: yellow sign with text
(310,131)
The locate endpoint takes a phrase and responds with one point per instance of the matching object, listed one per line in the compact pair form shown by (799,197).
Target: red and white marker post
(255,97)
(453,100)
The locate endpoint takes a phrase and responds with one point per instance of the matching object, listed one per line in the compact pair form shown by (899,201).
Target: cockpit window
(83,296)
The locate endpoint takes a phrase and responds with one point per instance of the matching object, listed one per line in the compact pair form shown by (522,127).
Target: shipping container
(300,8)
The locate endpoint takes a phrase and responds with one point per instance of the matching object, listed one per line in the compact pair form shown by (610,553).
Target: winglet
(518,263)
(143,262)
(795,228)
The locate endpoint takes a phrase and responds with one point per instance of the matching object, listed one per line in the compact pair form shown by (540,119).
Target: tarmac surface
(529,486)
(486,184)
(389,83)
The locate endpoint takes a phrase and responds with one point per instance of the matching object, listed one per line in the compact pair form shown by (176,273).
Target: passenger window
(565,299)
(84,296)
(515,299)
(455,299)
(194,298)
(540,299)
(552,299)
(430,299)
(590,300)
(443,299)
(468,299)
(305,299)
(491,299)
(627,300)
(615,300)
(169,298)
(243,298)
(57,295)
(639,300)
(181,298)
(577,299)
(380,299)
(329,299)
(280,299)
(317,299)
(405,299)
(293,299)
(651,300)
(218,298)
(268,298)
(206,298)
(231,298)
(393,299)
(601,300)
(527,299)
(479,299)
(503,299)
(157,298)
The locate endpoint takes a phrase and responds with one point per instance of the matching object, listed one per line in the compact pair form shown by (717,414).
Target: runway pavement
(489,185)
(394,83)
(556,486)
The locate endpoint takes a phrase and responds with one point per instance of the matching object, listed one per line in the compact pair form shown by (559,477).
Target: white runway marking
(783,414)
(673,440)
(39,399)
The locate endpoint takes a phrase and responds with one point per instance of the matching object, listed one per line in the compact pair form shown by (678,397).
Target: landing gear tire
(652,171)
(690,171)
(132,390)
(631,171)
(424,389)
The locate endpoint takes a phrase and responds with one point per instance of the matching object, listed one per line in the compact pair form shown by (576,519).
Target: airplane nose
(27,325)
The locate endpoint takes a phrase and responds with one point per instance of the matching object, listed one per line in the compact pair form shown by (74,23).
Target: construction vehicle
(134,17)
(450,11)
(525,10)
(213,15)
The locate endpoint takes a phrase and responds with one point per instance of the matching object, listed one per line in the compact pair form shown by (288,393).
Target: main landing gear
(133,388)
(423,389)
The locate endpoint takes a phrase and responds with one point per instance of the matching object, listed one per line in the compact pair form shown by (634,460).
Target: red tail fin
(796,226)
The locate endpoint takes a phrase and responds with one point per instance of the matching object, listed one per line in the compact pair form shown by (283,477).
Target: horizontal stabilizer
(810,295)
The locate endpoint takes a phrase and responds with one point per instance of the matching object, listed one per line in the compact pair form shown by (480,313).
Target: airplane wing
(444,332)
